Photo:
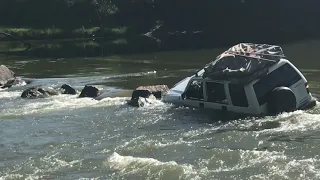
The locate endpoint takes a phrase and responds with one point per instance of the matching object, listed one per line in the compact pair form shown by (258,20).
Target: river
(64,137)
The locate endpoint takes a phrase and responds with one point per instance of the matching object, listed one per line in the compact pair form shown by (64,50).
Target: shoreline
(32,34)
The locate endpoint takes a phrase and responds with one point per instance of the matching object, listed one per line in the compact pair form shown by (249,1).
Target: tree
(104,8)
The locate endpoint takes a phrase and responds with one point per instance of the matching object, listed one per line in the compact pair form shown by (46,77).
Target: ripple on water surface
(277,147)
(64,137)
(13,105)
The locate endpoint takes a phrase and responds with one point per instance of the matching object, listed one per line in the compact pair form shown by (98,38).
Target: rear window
(283,76)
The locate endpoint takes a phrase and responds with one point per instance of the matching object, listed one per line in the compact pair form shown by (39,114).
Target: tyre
(281,99)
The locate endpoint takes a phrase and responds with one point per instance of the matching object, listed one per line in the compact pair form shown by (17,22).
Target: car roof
(200,73)
(242,63)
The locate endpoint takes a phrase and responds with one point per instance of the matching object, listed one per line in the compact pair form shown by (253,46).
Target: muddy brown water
(63,137)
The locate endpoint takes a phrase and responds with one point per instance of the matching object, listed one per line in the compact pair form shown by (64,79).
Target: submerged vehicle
(248,78)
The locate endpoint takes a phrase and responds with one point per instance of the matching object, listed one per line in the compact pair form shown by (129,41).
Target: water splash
(150,168)
(16,106)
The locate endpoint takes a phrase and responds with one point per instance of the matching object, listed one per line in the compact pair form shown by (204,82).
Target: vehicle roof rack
(265,52)
(243,62)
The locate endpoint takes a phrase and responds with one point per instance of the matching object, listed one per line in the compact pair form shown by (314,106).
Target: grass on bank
(22,32)
(95,30)
(120,41)
(30,33)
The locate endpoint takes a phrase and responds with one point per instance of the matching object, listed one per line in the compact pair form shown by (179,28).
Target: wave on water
(9,94)
(131,75)
(223,162)
(13,105)
(22,83)
(40,167)
(260,164)
(150,168)
(251,164)
(295,121)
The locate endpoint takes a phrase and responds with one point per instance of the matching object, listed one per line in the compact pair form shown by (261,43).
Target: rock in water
(141,101)
(67,89)
(140,95)
(7,77)
(37,92)
(89,91)
(146,91)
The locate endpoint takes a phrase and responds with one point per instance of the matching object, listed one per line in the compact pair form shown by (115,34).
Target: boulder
(141,94)
(157,90)
(142,101)
(7,77)
(89,91)
(37,92)
(67,89)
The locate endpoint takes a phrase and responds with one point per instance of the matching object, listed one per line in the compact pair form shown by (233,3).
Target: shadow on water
(66,48)
(95,47)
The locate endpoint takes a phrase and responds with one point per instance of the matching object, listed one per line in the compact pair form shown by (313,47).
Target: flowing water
(64,137)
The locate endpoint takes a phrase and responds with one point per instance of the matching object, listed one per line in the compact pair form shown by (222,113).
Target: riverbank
(91,42)
(29,34)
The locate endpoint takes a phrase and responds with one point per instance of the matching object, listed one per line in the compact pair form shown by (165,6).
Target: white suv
(248,78)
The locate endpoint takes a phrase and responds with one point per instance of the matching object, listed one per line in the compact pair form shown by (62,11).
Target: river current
(65,137)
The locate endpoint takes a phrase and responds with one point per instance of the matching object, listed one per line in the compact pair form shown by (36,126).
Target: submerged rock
(142,101)
(140,96)
(37,92)
(156,90)
(67,89)
(7,77)
(89,91)
(147,94)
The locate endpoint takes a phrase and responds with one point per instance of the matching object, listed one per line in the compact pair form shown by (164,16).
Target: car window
(195,90)
(283,76)
(238,95)
(216,93)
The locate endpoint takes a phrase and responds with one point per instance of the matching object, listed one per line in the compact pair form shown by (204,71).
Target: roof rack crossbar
(256,58)
(265,49)
(259,49)
(259,54)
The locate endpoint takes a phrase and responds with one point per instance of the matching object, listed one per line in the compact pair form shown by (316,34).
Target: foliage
(32,32)
(84,30)
(222,20)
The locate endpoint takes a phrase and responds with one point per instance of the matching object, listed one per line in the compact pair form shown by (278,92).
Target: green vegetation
(97,30)
(30,32)
(83,31)
(50,46)
(120,41)
(173,23)
(48,33)
(119,30)
(87,44)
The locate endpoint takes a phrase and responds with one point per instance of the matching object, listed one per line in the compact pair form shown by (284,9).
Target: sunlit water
(64,137)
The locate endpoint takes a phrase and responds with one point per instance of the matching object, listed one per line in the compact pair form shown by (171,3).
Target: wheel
(282,99)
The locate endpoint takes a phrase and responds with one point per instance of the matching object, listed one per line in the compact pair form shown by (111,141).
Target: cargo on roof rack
(243,62)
